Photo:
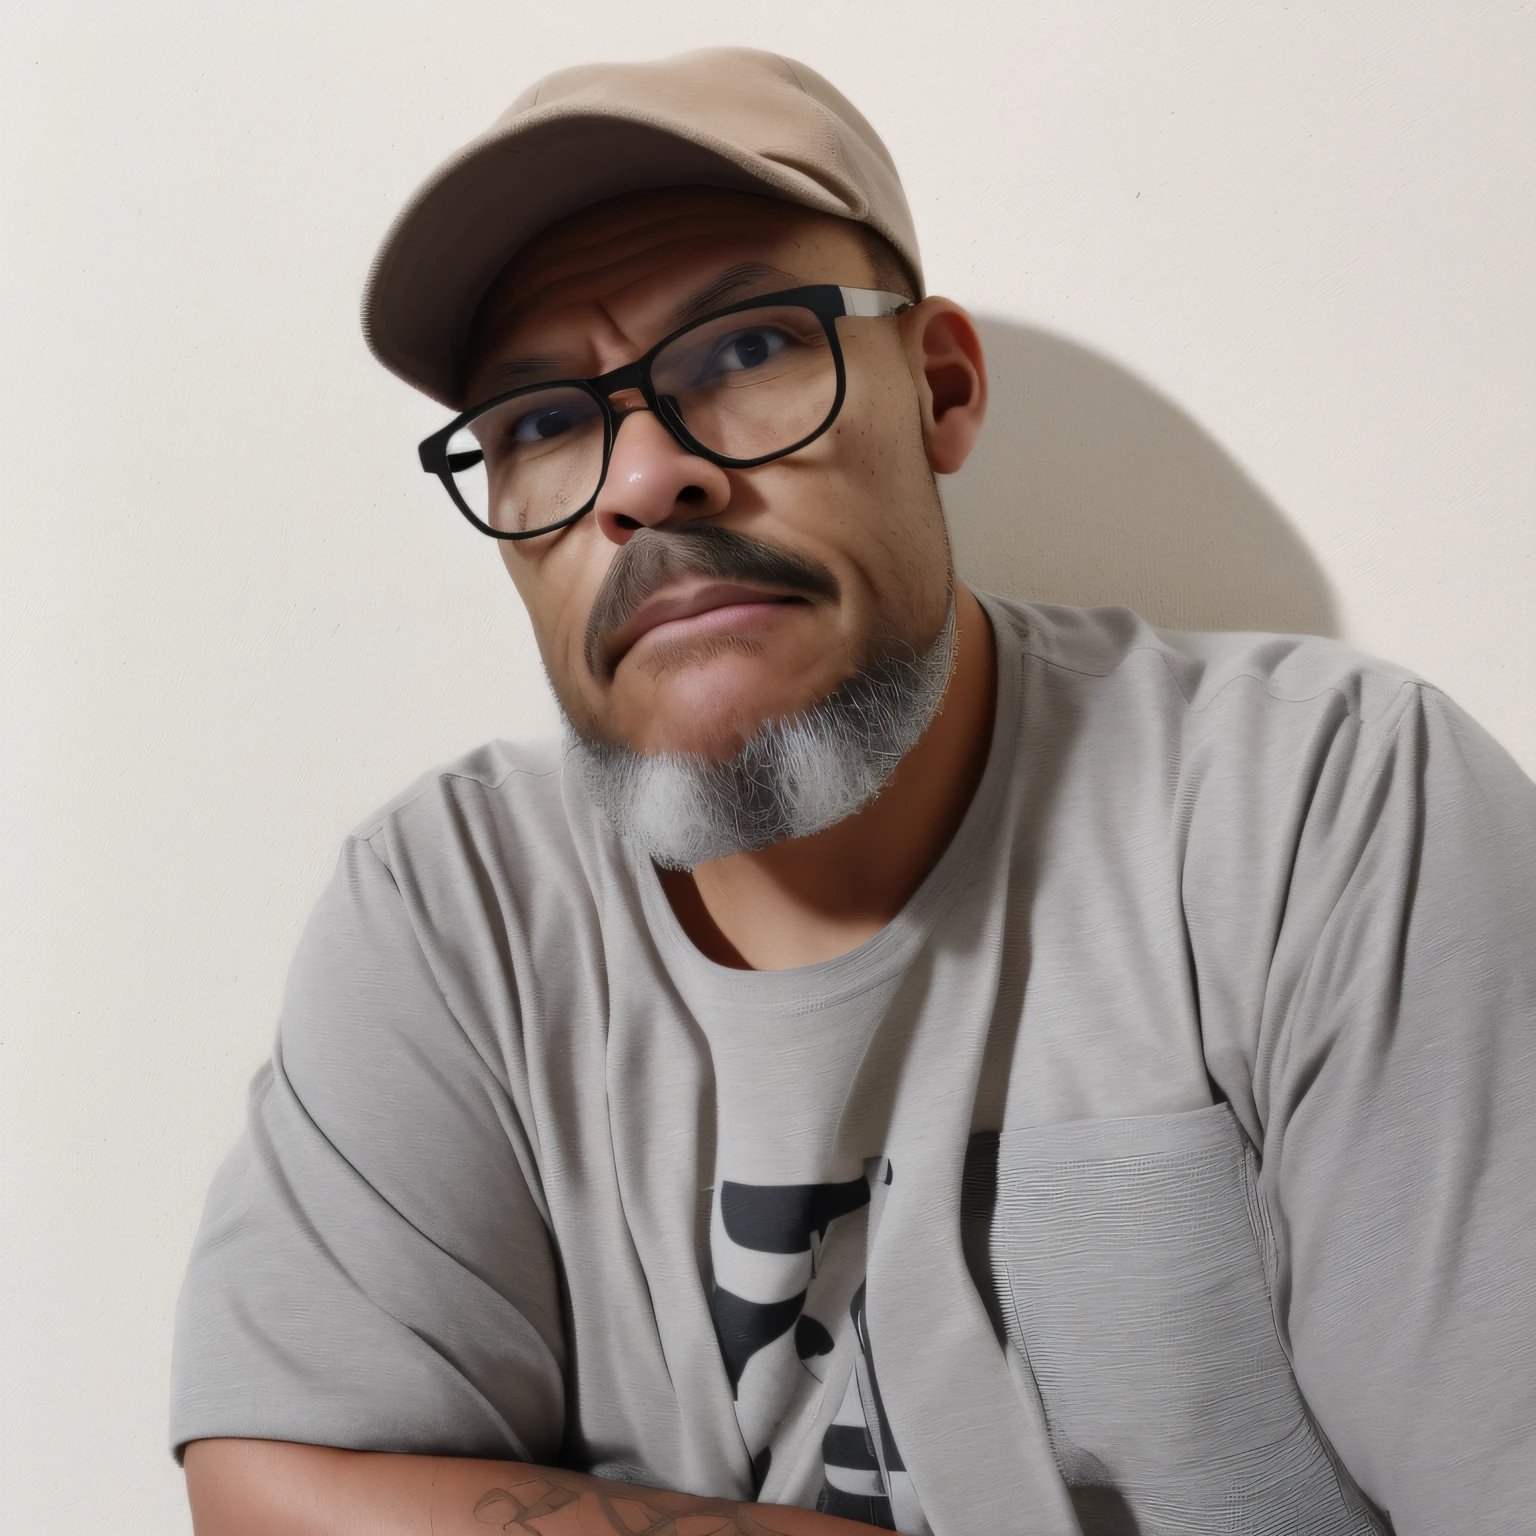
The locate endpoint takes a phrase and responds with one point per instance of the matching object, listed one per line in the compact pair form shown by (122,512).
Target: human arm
(274,1488)
(1395,1073)
(376,1268)
(346,1286)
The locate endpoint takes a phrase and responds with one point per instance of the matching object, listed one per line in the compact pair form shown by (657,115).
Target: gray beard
(794,777)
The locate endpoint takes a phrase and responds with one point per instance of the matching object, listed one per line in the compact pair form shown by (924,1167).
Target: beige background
(1257,281)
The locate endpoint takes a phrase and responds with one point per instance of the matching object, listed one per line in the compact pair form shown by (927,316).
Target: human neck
(818,897)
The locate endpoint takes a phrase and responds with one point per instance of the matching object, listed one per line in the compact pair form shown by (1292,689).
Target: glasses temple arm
(872,304)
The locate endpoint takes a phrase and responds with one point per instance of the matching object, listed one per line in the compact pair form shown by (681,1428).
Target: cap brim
(463,225)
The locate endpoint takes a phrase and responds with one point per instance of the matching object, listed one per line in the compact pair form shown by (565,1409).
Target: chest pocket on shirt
(1128,1265)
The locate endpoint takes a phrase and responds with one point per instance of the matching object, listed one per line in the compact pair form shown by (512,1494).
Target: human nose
(653,480)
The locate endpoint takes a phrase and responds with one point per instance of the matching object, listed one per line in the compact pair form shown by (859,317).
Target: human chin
(708,697)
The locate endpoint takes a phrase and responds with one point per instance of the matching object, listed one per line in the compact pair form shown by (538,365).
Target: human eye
(541,424)
(740,350)
(744,350)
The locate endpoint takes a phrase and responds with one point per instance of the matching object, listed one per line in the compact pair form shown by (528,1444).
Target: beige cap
(719,117)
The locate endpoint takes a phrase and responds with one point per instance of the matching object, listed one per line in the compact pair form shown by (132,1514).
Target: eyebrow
(731,284)
(519,370)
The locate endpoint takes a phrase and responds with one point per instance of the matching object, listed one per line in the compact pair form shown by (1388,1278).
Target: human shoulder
(1211,685)
(495,859)
(493,790)
(486,844)
(471,897)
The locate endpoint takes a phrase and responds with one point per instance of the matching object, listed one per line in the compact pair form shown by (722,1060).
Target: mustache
(652,558)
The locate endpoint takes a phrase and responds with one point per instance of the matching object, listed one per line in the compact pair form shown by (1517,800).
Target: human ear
(945,357)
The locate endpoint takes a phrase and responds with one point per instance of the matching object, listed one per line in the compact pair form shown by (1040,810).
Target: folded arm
(264,1487)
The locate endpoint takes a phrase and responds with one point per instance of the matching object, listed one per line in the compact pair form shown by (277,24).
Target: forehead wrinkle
(567,248)
(728,285)
(558,363)
(615,276)
(617,282)
(661,237)
(637,230)
(646,248)
(615,326)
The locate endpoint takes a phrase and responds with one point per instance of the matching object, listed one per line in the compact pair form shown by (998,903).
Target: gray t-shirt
(1192,1093)
(795,1175)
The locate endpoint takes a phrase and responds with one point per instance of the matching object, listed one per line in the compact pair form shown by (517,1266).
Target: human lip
(704,608)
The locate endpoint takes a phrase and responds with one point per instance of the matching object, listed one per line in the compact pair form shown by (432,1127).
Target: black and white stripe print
(788,1292)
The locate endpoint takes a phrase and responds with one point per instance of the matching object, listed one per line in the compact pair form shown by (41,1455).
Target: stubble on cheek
(558,624)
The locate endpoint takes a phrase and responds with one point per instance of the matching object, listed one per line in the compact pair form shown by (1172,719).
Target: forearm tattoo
(606,1511)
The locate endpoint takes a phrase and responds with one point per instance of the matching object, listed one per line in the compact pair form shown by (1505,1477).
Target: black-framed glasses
(742,386)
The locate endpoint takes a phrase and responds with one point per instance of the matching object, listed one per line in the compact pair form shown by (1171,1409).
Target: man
(909,1058)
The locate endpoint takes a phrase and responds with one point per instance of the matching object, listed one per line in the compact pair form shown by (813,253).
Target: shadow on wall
(1089,487)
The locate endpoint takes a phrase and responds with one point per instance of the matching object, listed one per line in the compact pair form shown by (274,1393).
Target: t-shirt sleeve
(372,1270)
(1398,1085)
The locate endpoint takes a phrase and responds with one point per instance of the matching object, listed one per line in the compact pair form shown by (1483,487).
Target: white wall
(1258,279)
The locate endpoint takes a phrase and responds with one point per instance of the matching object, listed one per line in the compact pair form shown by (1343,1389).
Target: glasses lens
(751,383)
(531,461)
